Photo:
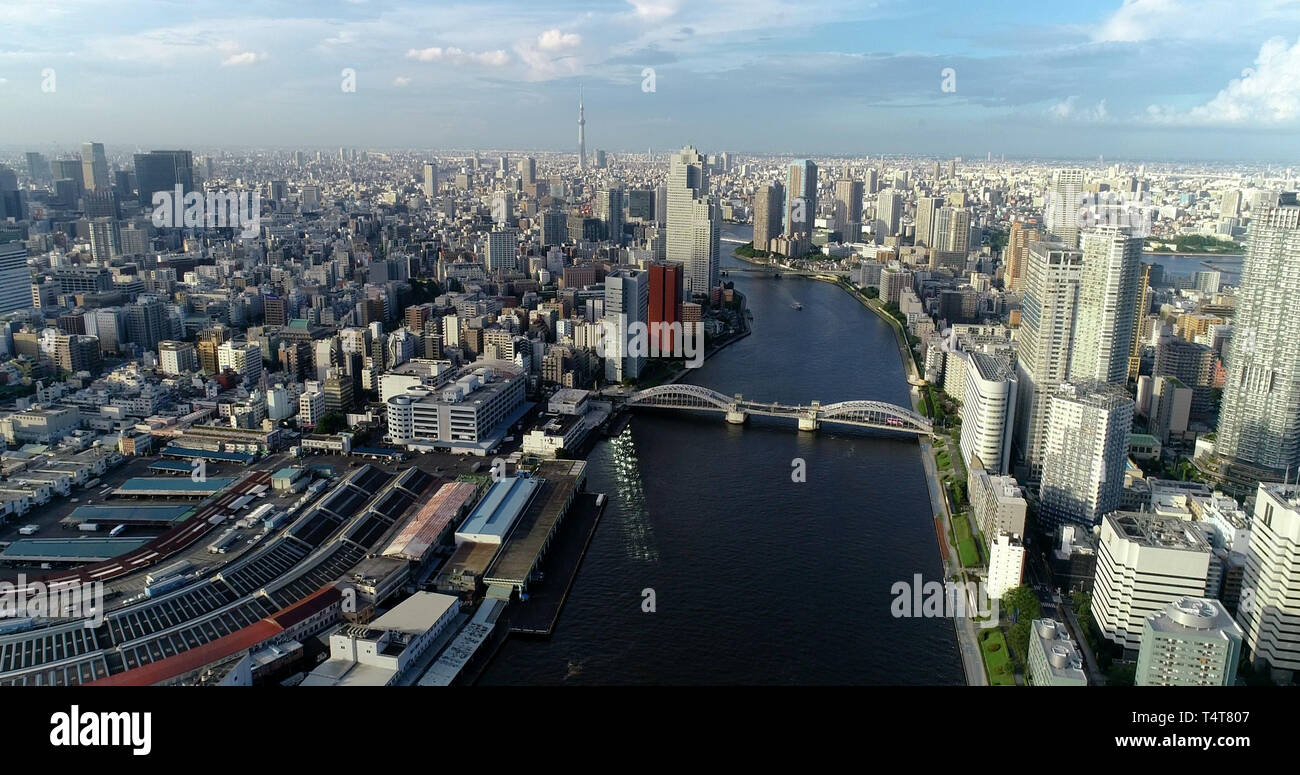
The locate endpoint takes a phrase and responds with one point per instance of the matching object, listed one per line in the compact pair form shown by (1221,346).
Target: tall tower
(1259,424)
(1103,335)
(582,134)
(694,221)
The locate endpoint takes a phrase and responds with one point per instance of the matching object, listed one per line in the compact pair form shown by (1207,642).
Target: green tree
(332,423)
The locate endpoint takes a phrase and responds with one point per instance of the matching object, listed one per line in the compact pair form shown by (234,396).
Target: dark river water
(757,579)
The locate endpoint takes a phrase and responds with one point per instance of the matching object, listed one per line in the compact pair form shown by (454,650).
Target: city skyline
(1064,86)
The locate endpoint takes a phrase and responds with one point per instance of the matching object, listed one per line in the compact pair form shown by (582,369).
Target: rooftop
(501,506)
(1158,532)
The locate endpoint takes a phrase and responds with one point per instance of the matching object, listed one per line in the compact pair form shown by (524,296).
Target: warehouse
(428,527)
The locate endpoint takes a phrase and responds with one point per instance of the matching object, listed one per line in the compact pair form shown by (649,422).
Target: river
(757,579)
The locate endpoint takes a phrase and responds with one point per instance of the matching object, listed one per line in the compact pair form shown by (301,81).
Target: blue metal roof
(81,548)
(174,484)
(231,457)
(376,451)
(180,466)
(501,506)
(125,514)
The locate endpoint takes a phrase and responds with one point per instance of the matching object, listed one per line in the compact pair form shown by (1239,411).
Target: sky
(1138,79)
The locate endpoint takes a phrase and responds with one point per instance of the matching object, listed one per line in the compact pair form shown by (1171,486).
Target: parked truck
(175,569)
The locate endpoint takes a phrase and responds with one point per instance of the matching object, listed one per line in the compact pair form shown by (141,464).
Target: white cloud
(401,81)
(243,58)
(554,40)
(456,56)
(1267,94)
(234,57)
(1068,109)
(1139,20)
(655,10)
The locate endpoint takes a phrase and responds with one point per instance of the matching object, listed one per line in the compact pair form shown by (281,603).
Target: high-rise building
(1230,207)
(207,342)
(872,181)
(1145,562)
(15,277)
(1085,451)
(244,359)
(528,170)
(1192,364)
(801,197)
(988,412)
(1259,420)
(924,228)
(889,207)
(1043,343)
(609,209)
(163,171)
(1192,641)
(769,203)
(1107,303)
(848,210)
(430,179)
(555,228)
(105,240)
(176,358)
(1064,198)
(641,205)
(694,221)
(94,167)
(627,303)
(146,322)
(502,253)
(951,230)
(1269,606)
(1016,253)
(38,167)
(665,298)
(1141,306)
(71,169)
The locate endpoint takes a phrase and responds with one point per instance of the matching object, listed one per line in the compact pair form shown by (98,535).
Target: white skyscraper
(889,210)
(1144,563)
(988,412)
(926,207)
(1269,609)
(694,221)
(627,309)
(1064,198)
(1103,325)
(1047,311)
(1085,451)
(951,230)
(1259,425)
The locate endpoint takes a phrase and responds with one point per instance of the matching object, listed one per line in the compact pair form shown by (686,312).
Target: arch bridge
(736,409)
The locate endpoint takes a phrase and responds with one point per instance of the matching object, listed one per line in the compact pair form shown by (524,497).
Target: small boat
(796,305)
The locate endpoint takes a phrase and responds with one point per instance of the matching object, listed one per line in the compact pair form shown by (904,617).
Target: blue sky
(1137,79)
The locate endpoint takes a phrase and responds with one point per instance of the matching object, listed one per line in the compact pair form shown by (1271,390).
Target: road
(967,640)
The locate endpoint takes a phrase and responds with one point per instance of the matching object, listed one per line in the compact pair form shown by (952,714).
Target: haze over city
(1149,79)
